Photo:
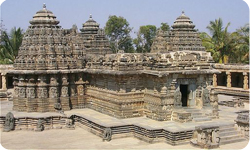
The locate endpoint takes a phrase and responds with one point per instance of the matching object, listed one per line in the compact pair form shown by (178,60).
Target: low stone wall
(106,132)
(31,123)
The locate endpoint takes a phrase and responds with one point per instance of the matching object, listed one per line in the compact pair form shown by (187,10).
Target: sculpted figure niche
(177,98)
(205,96)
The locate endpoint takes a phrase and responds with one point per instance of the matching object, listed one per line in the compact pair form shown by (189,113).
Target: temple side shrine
(63,69)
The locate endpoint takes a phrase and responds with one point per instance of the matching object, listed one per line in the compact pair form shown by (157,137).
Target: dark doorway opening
(237,79)
(222,79)
(184,94)
(10,82)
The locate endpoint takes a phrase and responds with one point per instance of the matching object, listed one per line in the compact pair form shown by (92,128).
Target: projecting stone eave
(186,72)
(37,72)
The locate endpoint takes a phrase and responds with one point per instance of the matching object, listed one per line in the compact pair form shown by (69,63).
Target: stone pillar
(42,94)
(54,103)
(73,90)
(4,86)
(80,92)
(245,81)
(229,79)
(65,93)
(15,94)
(215,80)
(22,93)
(31,102)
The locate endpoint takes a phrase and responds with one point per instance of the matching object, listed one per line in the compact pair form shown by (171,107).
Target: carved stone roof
(183,22)
(90,26)
(44,17)
(181,37)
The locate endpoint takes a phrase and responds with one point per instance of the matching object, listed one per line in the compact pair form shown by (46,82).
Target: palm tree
(220,38)
(10,45)
(243,44)
(209,44)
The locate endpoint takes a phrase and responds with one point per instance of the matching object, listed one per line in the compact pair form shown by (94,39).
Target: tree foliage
(118,31)
(164,26)
(227,47)
(145,38)
(10,44)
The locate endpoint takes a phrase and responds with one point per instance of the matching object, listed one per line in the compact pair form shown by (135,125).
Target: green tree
(240,54)
(164,26)
(118,31)
(220,42)
(145,38)
(10,45)
(227,47)
(208,43)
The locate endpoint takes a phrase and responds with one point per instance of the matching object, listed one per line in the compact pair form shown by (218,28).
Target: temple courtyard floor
(83,139)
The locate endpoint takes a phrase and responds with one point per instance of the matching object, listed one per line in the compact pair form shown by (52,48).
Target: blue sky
(138,12)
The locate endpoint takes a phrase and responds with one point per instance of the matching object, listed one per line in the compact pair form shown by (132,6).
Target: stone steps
(231,140)
(227,129)
(201,119)
(228,134)
(227,126)
(197,115)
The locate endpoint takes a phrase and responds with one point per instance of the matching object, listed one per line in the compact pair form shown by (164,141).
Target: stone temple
(156,96)
(63,69)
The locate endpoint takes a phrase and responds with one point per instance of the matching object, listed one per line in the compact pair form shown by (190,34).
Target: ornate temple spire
(90,26)
(183,22)
(44,17)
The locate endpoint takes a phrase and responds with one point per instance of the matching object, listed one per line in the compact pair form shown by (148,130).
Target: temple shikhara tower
(64,69)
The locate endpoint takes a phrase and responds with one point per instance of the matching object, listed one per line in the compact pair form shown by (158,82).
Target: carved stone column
(15,95)
(73,92)
(245,82)
(229,79)
(42,94)
(54,102)
(31,102)
(4,86)
(214,80)
(65,93)
(80,92)
(21,93)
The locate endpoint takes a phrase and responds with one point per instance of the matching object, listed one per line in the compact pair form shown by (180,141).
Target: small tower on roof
(90,26)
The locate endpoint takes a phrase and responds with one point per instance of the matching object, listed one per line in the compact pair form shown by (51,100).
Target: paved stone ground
(82,139)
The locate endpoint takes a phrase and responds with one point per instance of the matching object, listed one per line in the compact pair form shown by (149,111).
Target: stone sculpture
(177,98)
(107,134)
(70,123)
(40,126)
(206,97)
(9,122)
(206,137)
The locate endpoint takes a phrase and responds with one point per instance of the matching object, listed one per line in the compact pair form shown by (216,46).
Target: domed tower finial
(183,12)
(44,6)
(90,16)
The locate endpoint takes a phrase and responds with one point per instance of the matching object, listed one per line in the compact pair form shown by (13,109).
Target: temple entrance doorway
(184,94)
